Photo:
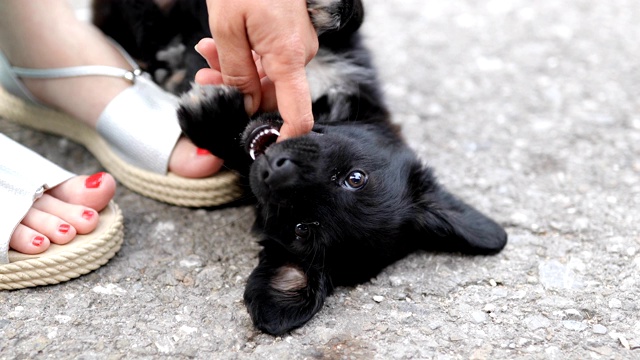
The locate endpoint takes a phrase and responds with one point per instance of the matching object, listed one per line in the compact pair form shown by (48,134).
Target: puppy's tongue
(260,139)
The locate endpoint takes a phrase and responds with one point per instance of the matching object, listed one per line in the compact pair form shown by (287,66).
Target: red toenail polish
(64,228)
(200,151)
(38,240)
(94,180)
(87,214)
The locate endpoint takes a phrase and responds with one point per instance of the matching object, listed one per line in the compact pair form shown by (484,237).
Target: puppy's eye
(302,231)
(356,180)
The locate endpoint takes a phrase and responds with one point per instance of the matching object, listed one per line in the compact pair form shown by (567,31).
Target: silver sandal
(134,137)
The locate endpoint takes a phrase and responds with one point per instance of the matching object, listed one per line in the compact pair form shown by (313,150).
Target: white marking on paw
(289,278)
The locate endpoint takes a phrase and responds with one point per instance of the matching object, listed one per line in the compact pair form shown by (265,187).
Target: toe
(57,230)
(93,191)
(82,218)
(189,161)
(28,241)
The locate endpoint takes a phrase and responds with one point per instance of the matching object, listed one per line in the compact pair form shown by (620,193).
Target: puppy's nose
(280,172)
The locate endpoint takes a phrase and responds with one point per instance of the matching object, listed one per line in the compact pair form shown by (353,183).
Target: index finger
(294,104)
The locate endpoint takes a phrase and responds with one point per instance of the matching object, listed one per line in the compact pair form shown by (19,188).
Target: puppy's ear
(448,223)
(281,295)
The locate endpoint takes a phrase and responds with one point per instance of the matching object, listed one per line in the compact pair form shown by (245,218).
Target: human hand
(262,47)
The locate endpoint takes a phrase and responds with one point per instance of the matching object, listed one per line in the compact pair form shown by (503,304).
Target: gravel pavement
(528,110)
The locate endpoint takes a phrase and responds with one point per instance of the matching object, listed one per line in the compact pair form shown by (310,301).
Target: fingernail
(201,151)
(87,214)
(248,104)
(38,240)
(196,49)
(94,180)
(64,228)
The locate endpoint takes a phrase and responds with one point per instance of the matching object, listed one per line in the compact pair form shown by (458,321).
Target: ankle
(84,98)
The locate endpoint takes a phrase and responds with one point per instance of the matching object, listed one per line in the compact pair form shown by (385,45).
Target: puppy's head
(348,190)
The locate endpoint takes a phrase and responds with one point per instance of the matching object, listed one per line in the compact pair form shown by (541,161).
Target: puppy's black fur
(336,206)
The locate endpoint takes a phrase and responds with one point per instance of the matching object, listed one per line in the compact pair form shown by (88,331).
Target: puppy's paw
(214,117)
(285,304)
(325,14)
(282,296)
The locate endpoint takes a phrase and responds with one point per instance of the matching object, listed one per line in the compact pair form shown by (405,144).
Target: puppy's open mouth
(260,139)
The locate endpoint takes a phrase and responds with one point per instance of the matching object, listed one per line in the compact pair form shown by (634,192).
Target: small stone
(395,281)
(624,342)
(519,218)
(581,223)
(574,325)
(479,316)
(555,275)
(489,308)
(109,289)
(378,298)
(493,283)
(573,314)
(599,329)
(401,296)
(191,261)
(63,319)
(615,304)
(537,322)
(188,329)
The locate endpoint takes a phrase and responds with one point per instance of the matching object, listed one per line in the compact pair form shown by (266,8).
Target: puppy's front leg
(282,295)
(214,118)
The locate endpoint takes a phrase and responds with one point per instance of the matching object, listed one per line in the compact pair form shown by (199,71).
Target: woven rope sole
(219,189)
(69,261)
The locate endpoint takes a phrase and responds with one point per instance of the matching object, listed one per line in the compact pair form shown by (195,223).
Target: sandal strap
(9,78)
(87,70)
(140,124)
(24,176)
(75,71)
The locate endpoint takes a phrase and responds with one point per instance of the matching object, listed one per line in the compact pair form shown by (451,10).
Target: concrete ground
(528,110)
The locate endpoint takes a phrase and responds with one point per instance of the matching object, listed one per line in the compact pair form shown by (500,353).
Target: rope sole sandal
(134,137)
(24,176)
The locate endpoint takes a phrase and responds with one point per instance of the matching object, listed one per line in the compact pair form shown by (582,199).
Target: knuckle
(246,83)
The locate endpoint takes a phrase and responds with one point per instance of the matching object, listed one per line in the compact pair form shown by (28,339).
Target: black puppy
(336,206)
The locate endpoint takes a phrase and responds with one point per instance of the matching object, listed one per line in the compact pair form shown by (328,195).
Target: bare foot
(69,209)
(37,36)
